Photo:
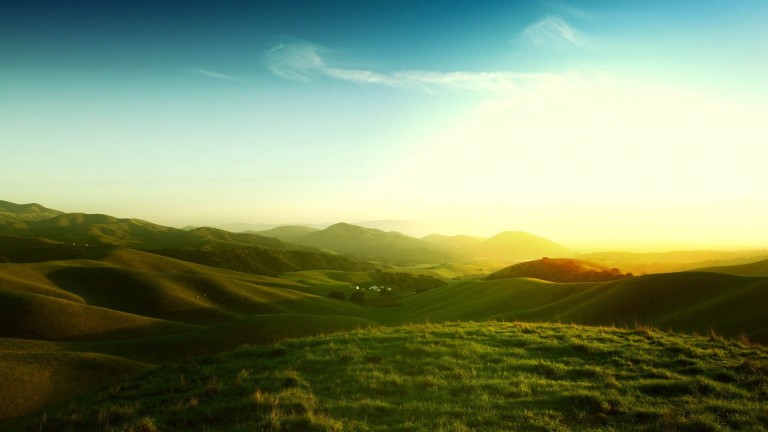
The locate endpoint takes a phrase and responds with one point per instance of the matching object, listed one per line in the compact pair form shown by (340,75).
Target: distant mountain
(218,247)
(519,245)
(397,248)
(408,227)
(559,270)
(372,244)
(457,242)
(10,212)
(99,229)
(66,234)
(256,227)
(289,233)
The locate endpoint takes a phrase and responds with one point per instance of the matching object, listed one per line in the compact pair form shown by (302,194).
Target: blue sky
(606,122)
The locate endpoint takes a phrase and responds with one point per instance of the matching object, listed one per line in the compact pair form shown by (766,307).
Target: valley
(88,301)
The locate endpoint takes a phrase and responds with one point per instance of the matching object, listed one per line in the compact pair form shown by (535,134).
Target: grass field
(96,320)
(489,376)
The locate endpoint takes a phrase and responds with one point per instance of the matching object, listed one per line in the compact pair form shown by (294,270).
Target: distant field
(489,376)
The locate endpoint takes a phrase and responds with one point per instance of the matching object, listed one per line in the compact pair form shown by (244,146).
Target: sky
(597,124)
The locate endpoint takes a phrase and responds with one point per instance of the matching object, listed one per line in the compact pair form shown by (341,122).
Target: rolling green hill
(443,377)
(98,312)
(124,310)
(143,308)
(689,302)
(29,249)
(10,212)
(665,262)
(97,229)
(217,247)
(559,270)
(65,235)
(759,268)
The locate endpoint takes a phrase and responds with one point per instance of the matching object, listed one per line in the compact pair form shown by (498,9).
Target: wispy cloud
(552,31)
(213,74)
(304,62)
(297,61)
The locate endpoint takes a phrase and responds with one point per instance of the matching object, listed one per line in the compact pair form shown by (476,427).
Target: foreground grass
(444,377)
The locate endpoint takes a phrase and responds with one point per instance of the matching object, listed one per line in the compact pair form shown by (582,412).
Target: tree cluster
(402,282)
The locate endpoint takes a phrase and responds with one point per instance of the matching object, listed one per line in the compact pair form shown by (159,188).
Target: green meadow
(120,333)
(455,376)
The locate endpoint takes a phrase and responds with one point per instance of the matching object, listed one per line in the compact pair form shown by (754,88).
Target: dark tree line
(404,282)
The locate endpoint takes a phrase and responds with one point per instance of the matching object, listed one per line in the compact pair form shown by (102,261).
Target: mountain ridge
(68,233)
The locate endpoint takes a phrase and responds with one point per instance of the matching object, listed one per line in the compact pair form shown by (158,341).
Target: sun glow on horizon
(599,161)
(605,123)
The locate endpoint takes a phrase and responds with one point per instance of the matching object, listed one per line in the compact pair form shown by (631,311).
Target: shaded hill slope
(177,295)
(34,316)
(759,268)
(559,270)
(690,302)
(99,229)
(262,261)
(665,262)
(29,249)
(93,320)
(40,379)
(153,310)
(66,235)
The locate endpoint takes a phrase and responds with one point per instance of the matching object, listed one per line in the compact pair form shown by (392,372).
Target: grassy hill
(81,228)
(665,262)
(759,268)
(689,302)
(123,310)
(443,377)
(28,249)
(65,235)
(559,270)
(251,252)
(134,306)
(92,314)
(10,212)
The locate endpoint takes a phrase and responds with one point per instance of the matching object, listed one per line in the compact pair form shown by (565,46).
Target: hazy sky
(618,123)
